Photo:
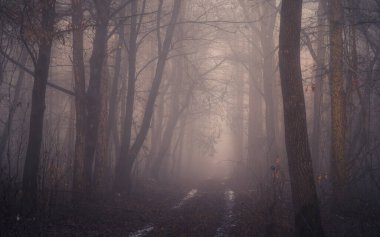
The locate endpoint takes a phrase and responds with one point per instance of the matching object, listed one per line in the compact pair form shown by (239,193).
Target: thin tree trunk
(120,172)
(12,110)
(268,49)
(123,173)
(255,115)
(318,90)
(79,184)
(156,132)
(96,84)
(176,169)
(102,166)
(113,102)
(338,112)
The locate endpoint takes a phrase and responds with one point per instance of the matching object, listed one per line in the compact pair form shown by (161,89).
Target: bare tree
(338,107)
(304,195)
(41,73)
(128,157)
(79,178)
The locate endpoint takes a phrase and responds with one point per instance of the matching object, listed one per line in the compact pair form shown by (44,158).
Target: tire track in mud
(228,219)
(202,212)
(150,227)
(142,232)
(199,217)
(189,196)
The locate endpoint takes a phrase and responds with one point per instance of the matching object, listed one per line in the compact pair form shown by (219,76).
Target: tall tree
(41,73)
(128,119)
(338,110)
(177,103)
(255,94)
(269,13)
(304,195)
(95,95)
(117,77)
(80,102)
(320,54)
(128,156)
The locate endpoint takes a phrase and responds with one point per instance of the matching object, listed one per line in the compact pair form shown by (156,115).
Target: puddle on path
(189,196)
(223,230)
(142,232)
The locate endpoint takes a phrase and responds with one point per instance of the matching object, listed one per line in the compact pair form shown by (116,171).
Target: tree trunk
(177,163)
(102,166)
(156,132)
(41,73)
(79,184)
(96,84)
(113,102)
(304,196)
(338,112)
(267,44)
(318,90)
(255,116)
(121,164)
(237,116)
(123,171)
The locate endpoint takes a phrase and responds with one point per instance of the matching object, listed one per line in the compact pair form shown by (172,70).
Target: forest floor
(210,208)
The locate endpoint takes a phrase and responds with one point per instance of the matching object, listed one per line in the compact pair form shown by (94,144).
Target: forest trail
(207,209)
(204,211)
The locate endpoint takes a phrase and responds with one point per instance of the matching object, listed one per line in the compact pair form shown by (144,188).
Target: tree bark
(101,178)
(268,49)
(318,91)
(113,101)
(338,111)
(41,73)
(95,88)
(304,196)
(120,173)
(80,102)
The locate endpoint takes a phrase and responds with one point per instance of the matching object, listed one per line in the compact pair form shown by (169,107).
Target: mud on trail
(116,217)
(199,215)
(207,209)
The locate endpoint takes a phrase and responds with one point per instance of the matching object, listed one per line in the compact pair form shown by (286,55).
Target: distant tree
(255,93)
(5,134)
(269,12)
(128,152)
(304,195)
(320,58)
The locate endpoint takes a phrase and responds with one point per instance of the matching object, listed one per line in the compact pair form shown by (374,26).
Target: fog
(189,118)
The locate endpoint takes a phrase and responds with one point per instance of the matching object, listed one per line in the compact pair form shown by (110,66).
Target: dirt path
(212,208)
(206,210)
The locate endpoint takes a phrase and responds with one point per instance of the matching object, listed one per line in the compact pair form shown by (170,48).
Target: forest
(190,118)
